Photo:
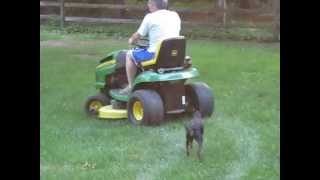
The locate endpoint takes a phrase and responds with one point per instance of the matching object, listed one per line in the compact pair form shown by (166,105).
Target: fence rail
(188,16)
(87,5)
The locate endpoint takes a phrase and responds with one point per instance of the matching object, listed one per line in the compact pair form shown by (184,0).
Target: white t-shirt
(159,25)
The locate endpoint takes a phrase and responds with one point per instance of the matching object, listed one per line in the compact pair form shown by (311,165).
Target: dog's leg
(187,145)
(200,150)
(199,139)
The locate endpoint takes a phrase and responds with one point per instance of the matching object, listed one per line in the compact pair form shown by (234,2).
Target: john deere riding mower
(160,86)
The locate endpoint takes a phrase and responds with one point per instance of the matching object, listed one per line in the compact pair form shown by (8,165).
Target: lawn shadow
(176,118)
(114,122)
(169,119)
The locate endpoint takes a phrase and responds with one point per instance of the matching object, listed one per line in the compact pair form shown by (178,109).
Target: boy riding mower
(159,87)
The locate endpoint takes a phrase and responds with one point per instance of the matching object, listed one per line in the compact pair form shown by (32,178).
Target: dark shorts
(139,55)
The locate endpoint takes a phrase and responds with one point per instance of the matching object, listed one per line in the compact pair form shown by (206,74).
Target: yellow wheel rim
(137,110)
(95,106)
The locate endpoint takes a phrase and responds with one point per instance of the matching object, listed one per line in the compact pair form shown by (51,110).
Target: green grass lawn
(241,139)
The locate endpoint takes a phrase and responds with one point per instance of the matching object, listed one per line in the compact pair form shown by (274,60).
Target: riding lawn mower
(160,86)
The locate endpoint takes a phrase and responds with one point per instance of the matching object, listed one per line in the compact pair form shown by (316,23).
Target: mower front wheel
(94,103)
(145,107)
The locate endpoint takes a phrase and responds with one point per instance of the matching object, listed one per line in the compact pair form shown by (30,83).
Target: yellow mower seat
(172,49)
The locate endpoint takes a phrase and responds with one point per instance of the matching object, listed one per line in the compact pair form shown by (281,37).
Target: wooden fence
(122,13)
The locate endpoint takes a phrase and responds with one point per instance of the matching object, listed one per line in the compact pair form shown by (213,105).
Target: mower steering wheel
(142,43)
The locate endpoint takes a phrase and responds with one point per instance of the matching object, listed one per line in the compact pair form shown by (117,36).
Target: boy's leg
(131,69)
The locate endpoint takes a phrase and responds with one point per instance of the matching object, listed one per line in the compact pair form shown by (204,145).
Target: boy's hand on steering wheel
(130,41)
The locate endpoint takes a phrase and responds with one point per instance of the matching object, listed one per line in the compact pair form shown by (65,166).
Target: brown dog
(195,130)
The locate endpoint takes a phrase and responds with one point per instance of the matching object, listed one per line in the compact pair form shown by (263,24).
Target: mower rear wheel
(200,97)
(94,103)
(145,107)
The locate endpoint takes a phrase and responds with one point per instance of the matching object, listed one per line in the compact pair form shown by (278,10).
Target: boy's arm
(134,38)
(142,30)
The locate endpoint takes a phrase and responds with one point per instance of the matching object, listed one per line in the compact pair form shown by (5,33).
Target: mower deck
(107,112)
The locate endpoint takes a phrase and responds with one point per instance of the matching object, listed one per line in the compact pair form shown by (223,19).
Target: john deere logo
(174,53)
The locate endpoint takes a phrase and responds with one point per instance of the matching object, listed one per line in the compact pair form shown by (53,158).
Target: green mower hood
(106,66)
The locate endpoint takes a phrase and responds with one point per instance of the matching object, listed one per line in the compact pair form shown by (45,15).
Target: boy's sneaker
(125,91)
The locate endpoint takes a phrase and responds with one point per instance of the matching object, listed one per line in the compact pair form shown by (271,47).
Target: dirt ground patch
(71,42)
(89,56)
(54,43)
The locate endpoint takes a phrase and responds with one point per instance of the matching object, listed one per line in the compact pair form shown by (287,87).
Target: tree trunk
(276,19)
(222,4)
(62,19)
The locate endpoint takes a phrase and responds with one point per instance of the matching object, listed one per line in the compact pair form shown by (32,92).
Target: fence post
(62,19)
(224,12)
